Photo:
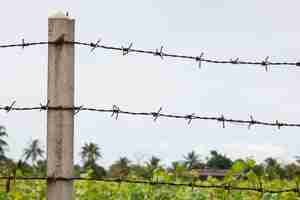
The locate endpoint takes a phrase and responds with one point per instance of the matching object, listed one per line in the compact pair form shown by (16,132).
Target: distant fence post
(60,123)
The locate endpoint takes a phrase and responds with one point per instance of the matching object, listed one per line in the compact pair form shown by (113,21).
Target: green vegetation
(270,175)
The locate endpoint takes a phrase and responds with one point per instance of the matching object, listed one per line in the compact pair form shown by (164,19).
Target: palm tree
(123,162)
(3,143)
(90,153)
(192,160)
(33,152)
(178,169)
(273,168)
(152,165)
(174,166)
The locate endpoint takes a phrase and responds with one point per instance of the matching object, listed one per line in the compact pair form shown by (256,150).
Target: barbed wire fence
(115,111)
(158,52)
(259,188)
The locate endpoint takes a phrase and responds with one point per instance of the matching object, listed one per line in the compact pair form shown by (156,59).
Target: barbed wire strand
(116,111)
(126,50)
(136,181)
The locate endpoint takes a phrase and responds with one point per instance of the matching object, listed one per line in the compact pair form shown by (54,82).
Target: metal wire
(136,181)
(116,111)
(126,50)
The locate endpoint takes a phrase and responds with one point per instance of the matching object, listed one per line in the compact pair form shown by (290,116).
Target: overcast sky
(250,30)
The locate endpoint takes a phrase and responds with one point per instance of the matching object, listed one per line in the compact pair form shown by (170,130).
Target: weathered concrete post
(60,124)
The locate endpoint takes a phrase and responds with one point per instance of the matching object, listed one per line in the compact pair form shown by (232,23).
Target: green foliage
(90,153)
(120,168)
(34,151)
(270,175)
(192,160)
(92,190)
(218,161)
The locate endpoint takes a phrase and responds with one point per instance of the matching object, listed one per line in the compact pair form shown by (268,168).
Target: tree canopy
(218,161)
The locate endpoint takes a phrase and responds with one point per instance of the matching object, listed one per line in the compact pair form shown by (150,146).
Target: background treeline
(33,163)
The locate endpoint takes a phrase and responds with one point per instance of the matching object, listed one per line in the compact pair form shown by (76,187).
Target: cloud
(257,151)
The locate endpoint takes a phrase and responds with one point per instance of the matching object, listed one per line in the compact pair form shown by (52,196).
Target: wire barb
(156,114)
(44,107)
(115,111)
(278,124)
(126,50)
(159,53)
(222,119)
(10,107)
(199,59)
(52,177)
(190,118)
(23,43)
(95,45)
(265,63)
(235,61)
(252,121)
(77,109)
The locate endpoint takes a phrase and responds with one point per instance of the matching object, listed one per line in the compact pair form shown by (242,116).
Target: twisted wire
(126,50)
(116,111)
(136,181)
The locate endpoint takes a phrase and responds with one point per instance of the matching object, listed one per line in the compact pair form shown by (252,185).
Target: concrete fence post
(60,123)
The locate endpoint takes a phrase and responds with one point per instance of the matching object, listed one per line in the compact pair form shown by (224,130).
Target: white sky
(250,30)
